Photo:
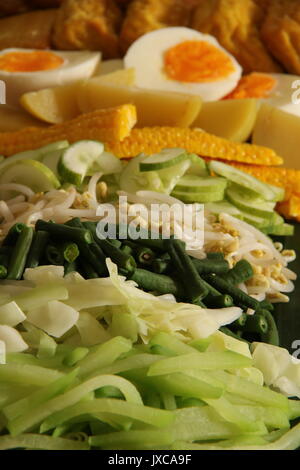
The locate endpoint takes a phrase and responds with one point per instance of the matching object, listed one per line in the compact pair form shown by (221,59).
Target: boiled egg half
(183,60)
(24,70)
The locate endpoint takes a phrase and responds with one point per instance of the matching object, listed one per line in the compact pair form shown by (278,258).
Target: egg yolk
(196,62)
(36,61)
(254,85)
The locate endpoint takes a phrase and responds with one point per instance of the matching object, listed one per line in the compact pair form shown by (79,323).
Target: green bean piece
(4,259)
(196,290)
(126,249)
(216,255)
(160,283)
(70,252)
(93,256)
(240,298)
(160,266)
(87,270)
(123,261)
(19,255)
(70,267)
(54,255)
(266,305)
(240,322)
(272,335)
(208,266)
(65,232)
(144,255)
(13,234)
(37,249)
(3,272)
(241,272)
(115,242)
(256,324)
(219,301)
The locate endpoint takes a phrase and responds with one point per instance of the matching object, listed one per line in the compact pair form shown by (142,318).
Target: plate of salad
(111,340)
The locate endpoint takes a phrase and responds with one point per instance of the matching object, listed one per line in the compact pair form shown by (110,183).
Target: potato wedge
(52,105)
(154,108)
(59,104)
(279,131)
(231,119)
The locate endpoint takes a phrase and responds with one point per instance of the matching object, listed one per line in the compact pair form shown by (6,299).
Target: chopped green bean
(19,255)
(37,249)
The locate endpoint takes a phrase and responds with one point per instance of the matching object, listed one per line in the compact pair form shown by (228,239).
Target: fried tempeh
(88,24)
(281,33)
(236,25)
(30,30)
(144,16)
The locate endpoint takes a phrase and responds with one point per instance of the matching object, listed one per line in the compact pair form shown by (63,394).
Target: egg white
(77,65)
(146,55)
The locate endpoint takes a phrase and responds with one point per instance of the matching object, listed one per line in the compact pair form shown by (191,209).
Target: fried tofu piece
(30,30)
(12,7)
(236,24)
(281,33)
(88,24)
(144,16)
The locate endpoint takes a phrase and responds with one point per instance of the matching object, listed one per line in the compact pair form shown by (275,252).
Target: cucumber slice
(171,176)
(38,154)
(77,159)
(30,173)
(198,166)
(257,222)
(223,207)
(257,207)
(199,197)
(131,179)
(245,180)
(165,159)
(196,184)
(285,230)
(107,163)
(51,160)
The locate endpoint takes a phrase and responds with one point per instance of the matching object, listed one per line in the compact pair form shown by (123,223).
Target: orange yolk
(36,61)
(196,62)
(254,85)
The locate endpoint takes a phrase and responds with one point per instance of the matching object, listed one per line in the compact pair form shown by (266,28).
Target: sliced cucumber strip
(221,207)
(164,159)
(285,230)
(257,222)
(256,207)
(77,159)
(198,166)
(171,176)
(131,179)
(107,163)
(196,184)
(30,173)
(38,154)
(199,197)
(51,160)
(243,179)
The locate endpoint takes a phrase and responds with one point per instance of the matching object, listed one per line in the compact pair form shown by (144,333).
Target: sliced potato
(230,119)
(279,131)
(59,104)
(52,105)
(154,108)
(12,119)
